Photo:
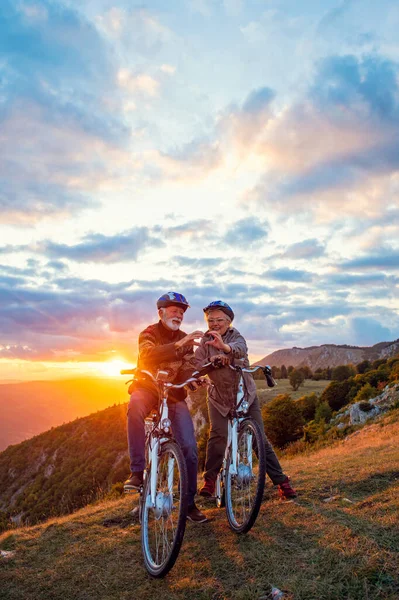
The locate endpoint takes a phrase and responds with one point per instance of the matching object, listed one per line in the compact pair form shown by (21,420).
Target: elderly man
(224,342)
(164,346)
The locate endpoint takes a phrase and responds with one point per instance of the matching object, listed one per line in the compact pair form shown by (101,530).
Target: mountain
(329,355)
(63,469)
(31,407)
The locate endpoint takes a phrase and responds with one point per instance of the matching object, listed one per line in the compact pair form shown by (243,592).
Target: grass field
(283,387)
(338,541)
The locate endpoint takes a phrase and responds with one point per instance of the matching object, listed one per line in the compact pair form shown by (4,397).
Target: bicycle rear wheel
(244,489)
(163,524)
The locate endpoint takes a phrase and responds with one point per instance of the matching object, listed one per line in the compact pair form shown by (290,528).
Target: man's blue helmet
(173,299)
(220,305)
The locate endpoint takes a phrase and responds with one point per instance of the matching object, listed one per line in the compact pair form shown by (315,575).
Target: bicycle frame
(237,415)
(154,443)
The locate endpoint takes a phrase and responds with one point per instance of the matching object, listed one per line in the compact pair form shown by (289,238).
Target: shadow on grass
(376,482)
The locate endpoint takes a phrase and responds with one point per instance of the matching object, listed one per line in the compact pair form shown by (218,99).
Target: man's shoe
(208,489)
(134,482)
(195,515)
(285,490)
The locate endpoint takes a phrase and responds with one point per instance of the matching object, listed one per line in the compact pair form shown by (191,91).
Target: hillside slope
(65,468)
(340,539)
(29,408)
(329,355)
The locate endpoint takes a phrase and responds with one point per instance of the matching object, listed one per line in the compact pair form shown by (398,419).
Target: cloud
(62,139)
(384,258)
(247,232)
(339,142)
(287,274)
(97,247)
(188,163)
(311,248)
(69,318)
(140,82)
(198,264)
(371,280)
(150,37)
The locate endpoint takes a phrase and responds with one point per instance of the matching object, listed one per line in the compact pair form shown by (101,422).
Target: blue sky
(226,149)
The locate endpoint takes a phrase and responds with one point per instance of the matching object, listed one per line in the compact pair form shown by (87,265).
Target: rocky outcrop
(329,355)
(360,412)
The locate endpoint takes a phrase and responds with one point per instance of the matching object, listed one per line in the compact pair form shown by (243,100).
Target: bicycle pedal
(131,491)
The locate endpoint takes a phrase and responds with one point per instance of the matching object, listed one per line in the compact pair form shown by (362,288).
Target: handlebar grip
(128,371)
(268,374)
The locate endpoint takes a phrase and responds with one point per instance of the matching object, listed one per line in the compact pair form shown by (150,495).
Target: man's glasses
(214,321)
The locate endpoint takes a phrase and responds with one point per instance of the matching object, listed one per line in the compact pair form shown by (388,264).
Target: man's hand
(218,342)
(190,339)
(221,359)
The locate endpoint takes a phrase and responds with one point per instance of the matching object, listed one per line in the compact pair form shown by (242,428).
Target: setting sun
(112,368)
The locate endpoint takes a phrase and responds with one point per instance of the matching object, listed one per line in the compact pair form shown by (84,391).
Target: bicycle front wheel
(164,521)
(244,488)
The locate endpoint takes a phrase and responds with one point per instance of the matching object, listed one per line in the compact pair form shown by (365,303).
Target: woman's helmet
(220,305)
(173,299)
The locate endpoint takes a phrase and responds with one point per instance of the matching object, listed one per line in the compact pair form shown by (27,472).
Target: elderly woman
(225,342)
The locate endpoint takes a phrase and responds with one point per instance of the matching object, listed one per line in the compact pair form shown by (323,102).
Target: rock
(357,416)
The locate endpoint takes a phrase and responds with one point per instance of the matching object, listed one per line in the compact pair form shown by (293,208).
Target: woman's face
(218,321)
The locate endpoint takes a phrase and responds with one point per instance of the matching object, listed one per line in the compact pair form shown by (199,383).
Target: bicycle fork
(154,449)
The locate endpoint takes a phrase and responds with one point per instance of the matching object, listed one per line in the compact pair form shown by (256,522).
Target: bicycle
(241,481)
(163,495)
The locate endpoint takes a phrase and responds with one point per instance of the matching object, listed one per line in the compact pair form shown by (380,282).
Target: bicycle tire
(244,491)
(163,526)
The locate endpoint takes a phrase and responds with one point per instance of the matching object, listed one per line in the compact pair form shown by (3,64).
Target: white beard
(171,324)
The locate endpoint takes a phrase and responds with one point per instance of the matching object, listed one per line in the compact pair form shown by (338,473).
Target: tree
(366,392)
(307,405)
(336,394)
(276,373)
(296,379)
(363,366)
(323,412)
(283,420)
(290,369)
(284,373)
(307,371)
(342,372)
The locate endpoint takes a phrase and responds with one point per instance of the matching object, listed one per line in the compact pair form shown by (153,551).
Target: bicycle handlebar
(193,379)
(267,372)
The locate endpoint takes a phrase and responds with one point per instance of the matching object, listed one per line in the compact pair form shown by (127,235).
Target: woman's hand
(217,342)
(221,359)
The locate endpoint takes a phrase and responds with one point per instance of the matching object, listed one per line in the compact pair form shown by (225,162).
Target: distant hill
(329,355)
(30,408)
(63,469)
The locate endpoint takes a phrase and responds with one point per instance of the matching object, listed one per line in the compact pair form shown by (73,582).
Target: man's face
(171,317)
(218,321)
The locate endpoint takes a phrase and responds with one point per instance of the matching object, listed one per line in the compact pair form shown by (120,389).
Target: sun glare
(112,368)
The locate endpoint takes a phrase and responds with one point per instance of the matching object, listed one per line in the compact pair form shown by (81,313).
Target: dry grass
(283,387)
(345,548)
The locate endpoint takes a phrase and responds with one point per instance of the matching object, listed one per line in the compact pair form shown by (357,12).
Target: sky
(242,150)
